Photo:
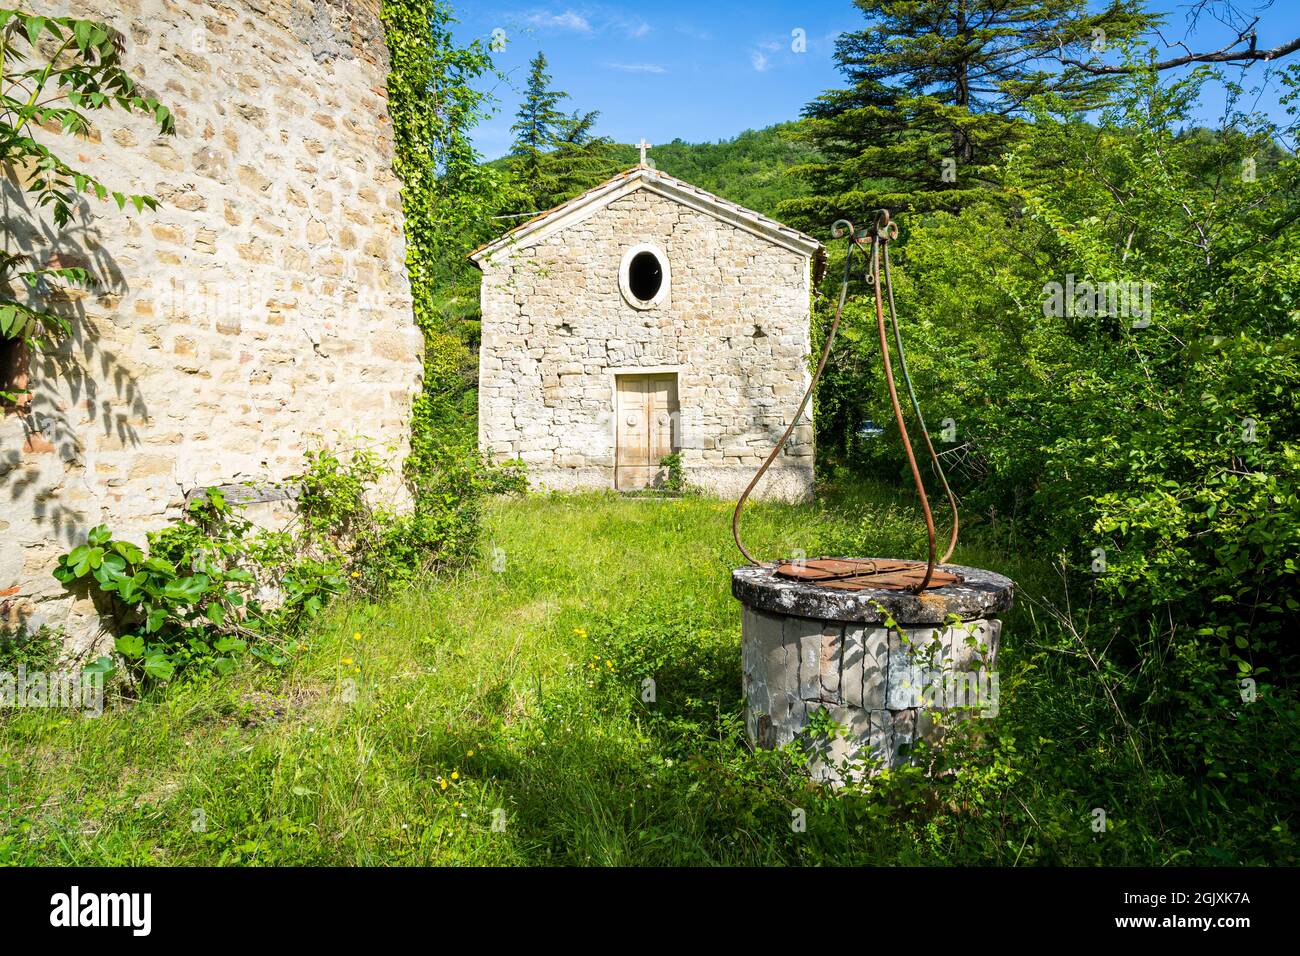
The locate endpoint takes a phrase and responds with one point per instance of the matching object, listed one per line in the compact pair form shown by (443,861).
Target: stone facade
(263,308)
(732,326)
(891,667)
(884,685)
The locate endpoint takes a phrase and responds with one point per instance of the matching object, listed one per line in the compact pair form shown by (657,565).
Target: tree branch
(1228,54)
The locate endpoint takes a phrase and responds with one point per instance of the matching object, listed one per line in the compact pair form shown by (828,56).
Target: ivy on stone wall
(54,71)
(448,196)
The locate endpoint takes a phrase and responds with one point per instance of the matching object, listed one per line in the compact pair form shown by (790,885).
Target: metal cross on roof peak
(643,146)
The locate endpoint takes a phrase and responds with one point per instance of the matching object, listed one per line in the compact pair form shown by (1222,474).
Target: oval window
(645,276)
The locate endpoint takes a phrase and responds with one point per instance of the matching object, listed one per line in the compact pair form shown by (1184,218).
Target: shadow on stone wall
(76,385)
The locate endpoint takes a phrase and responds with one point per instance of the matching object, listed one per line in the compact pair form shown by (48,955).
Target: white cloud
(591,20)
(573,21)
(568,20)
(761,57)
(637,67)
(631,26)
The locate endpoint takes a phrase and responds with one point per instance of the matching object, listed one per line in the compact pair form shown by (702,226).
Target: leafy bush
(35,650)
(675,481)
(1155,455)
(193,600)
(1165,453)
(213,584)
(53,70)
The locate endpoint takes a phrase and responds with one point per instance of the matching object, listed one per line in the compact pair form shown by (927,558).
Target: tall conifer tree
(579,160)
(938,91)
(555,155)
(537,120)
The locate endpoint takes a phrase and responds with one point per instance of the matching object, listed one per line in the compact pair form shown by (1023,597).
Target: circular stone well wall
(807,648)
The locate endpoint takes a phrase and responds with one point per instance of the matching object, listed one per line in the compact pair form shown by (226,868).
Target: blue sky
(709,69)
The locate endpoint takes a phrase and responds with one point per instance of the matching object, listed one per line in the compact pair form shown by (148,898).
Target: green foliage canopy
(555,154)
(936,96)
(53,71)
(1161,438)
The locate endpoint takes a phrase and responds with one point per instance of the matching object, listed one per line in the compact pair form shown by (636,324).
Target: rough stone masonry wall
(875,681)
(263,307)
(734,327)
(890,667)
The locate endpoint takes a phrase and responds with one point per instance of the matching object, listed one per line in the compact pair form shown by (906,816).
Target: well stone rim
(981,594)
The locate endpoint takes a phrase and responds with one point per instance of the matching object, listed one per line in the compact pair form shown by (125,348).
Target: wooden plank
(632,450)
(661,404)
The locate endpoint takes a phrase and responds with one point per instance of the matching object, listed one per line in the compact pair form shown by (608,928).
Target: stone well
(808,647)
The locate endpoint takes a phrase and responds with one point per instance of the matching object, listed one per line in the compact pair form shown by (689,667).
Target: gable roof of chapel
(660,183)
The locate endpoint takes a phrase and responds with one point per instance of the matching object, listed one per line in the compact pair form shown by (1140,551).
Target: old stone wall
(263,308)
(733,327)
(883,664)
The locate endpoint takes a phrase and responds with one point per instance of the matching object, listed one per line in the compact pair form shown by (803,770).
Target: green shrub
(213,585)
(1161,461)
(1158,462)
(34,650)
(675,481)
(192,600)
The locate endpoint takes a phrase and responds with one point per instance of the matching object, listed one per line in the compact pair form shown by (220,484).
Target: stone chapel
(641,319)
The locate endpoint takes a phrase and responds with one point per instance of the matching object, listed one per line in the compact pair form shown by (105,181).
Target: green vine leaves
(53,72)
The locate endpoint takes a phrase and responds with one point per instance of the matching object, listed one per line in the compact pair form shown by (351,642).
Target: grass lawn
(495,717)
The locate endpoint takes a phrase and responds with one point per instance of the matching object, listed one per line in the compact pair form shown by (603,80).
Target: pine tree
(939,91)
(578,160)
(555,155)
(536,122)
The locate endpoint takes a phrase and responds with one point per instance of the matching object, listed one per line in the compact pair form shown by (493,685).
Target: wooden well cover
(858,574)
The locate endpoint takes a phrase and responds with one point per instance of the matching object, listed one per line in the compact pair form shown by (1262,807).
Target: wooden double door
(647,414)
